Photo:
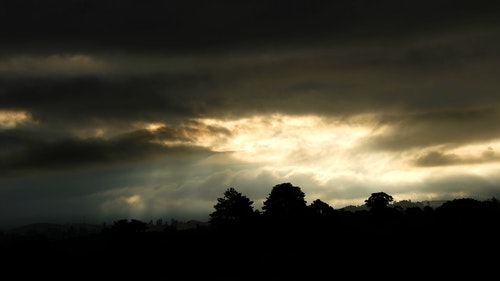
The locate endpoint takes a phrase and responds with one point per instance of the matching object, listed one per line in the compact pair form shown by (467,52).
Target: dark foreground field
(351,246)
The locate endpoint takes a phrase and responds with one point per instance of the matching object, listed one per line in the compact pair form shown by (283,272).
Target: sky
(152,109)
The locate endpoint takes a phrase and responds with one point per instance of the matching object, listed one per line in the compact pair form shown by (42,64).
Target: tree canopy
(232,208)
(320,208)
(285,201)
(378,201)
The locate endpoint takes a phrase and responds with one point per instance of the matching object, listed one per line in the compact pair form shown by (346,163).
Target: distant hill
(61,231)
(55,230)
(403,204)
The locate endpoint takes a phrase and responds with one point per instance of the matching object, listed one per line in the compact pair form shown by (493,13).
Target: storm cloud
(151,109)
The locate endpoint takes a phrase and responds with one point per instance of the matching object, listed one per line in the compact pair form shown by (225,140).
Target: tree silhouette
(285,201)
(232,208)
(378,201)
(320,208)
(129,226)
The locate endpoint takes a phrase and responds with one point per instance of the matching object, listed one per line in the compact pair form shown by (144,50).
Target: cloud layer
(111,109)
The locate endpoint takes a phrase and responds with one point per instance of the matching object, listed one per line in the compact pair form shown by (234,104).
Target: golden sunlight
(330,152)
(292,144)
(133,199)
(12,118)
(153,126)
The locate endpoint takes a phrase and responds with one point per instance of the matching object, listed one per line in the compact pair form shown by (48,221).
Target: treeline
(286,203)
(285,239)
(285,206)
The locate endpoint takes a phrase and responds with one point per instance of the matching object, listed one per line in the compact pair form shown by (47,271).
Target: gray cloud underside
(23,151)
(457,73)
(188,59)
(438,158)
(431,90)
(425,106)
(445,128)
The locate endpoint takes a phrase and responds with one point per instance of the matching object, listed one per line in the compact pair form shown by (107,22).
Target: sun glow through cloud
(284,133)
(134,199)
(331,153)
(293,144)
(12,118)
(160,120)
(328,156)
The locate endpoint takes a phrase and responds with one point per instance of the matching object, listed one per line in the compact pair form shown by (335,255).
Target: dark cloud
(433,70)
(24,152)
(450,128)
(197,25)
(91,75)
(460,185)
(438,158)
(435,158)
(90,98)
